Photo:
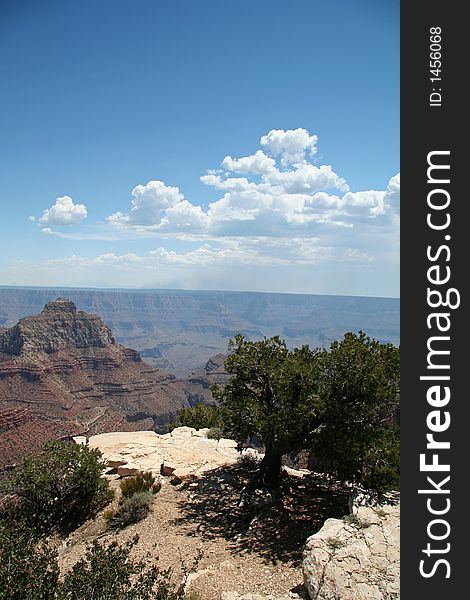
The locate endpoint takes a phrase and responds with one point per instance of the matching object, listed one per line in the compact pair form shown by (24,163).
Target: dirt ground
(227,540)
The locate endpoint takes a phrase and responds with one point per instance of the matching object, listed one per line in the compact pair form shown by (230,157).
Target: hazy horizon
(183,290)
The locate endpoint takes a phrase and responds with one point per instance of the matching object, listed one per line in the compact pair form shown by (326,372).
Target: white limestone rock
(357,559)
(184,453)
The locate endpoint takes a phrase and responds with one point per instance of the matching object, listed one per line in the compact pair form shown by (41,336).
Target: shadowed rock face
(59,326)
(62,373)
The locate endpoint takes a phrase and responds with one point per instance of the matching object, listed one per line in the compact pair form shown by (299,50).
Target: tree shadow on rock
(272,525)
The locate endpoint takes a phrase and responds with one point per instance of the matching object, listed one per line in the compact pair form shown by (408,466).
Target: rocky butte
(62,373)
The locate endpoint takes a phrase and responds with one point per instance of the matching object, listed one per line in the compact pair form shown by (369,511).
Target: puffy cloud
(257,164)
(374,203)
(307,178)
(290,145)
(148,204)
(260,197)
(184,216)
(64,212)
(392,196)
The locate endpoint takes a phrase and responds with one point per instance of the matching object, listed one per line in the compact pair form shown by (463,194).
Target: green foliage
(29,571)
(144,482)
(357,380)
(108,573)
(215,433)
(200,416)
(356,400)
(340,403)
(356,521)
(269,395)
(28,568)
(334,543)
(368,456)
(132,509)
(60,488)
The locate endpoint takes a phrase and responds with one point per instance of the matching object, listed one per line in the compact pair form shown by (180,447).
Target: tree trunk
(271,466)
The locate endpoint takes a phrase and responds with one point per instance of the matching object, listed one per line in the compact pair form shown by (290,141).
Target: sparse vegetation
(248,463)
(334,543)
(135,502)
(58,489)
(356,521)
(132,509)
(108,572)
(144,482)
(29,571)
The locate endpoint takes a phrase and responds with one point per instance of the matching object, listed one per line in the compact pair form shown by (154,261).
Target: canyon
(62,373)
(179,331)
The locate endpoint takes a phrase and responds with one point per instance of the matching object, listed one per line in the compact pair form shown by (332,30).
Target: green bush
(29,571)
(144,482)
(107,573)
(132,509)
(200,416)
(60,488)
(28,568)
(215,433)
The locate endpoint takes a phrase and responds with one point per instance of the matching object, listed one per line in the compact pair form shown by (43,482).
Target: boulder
(356,558)
(80,439)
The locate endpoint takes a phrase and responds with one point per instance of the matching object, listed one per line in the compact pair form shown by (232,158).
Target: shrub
(132,509)
(108,573)
(334,543)
(215,433)
(29,571)
(28,568)
(60,488)
(356,521)
(200,416)
(144,482)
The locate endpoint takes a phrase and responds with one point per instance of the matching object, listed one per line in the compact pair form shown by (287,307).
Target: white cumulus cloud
(290,145)
(278,195)
(257,164)
(148,204)
(63,213)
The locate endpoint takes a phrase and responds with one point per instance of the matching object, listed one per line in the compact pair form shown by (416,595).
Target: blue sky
(201,145)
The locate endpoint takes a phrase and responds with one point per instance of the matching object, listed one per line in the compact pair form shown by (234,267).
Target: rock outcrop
(58,327)
(183,454)
(356,558)
(62,373)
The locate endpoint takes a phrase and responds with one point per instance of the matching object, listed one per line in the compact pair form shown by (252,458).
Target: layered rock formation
(62,373)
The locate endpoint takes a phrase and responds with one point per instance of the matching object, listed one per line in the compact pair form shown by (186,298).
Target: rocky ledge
(183,454)
(357,558)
